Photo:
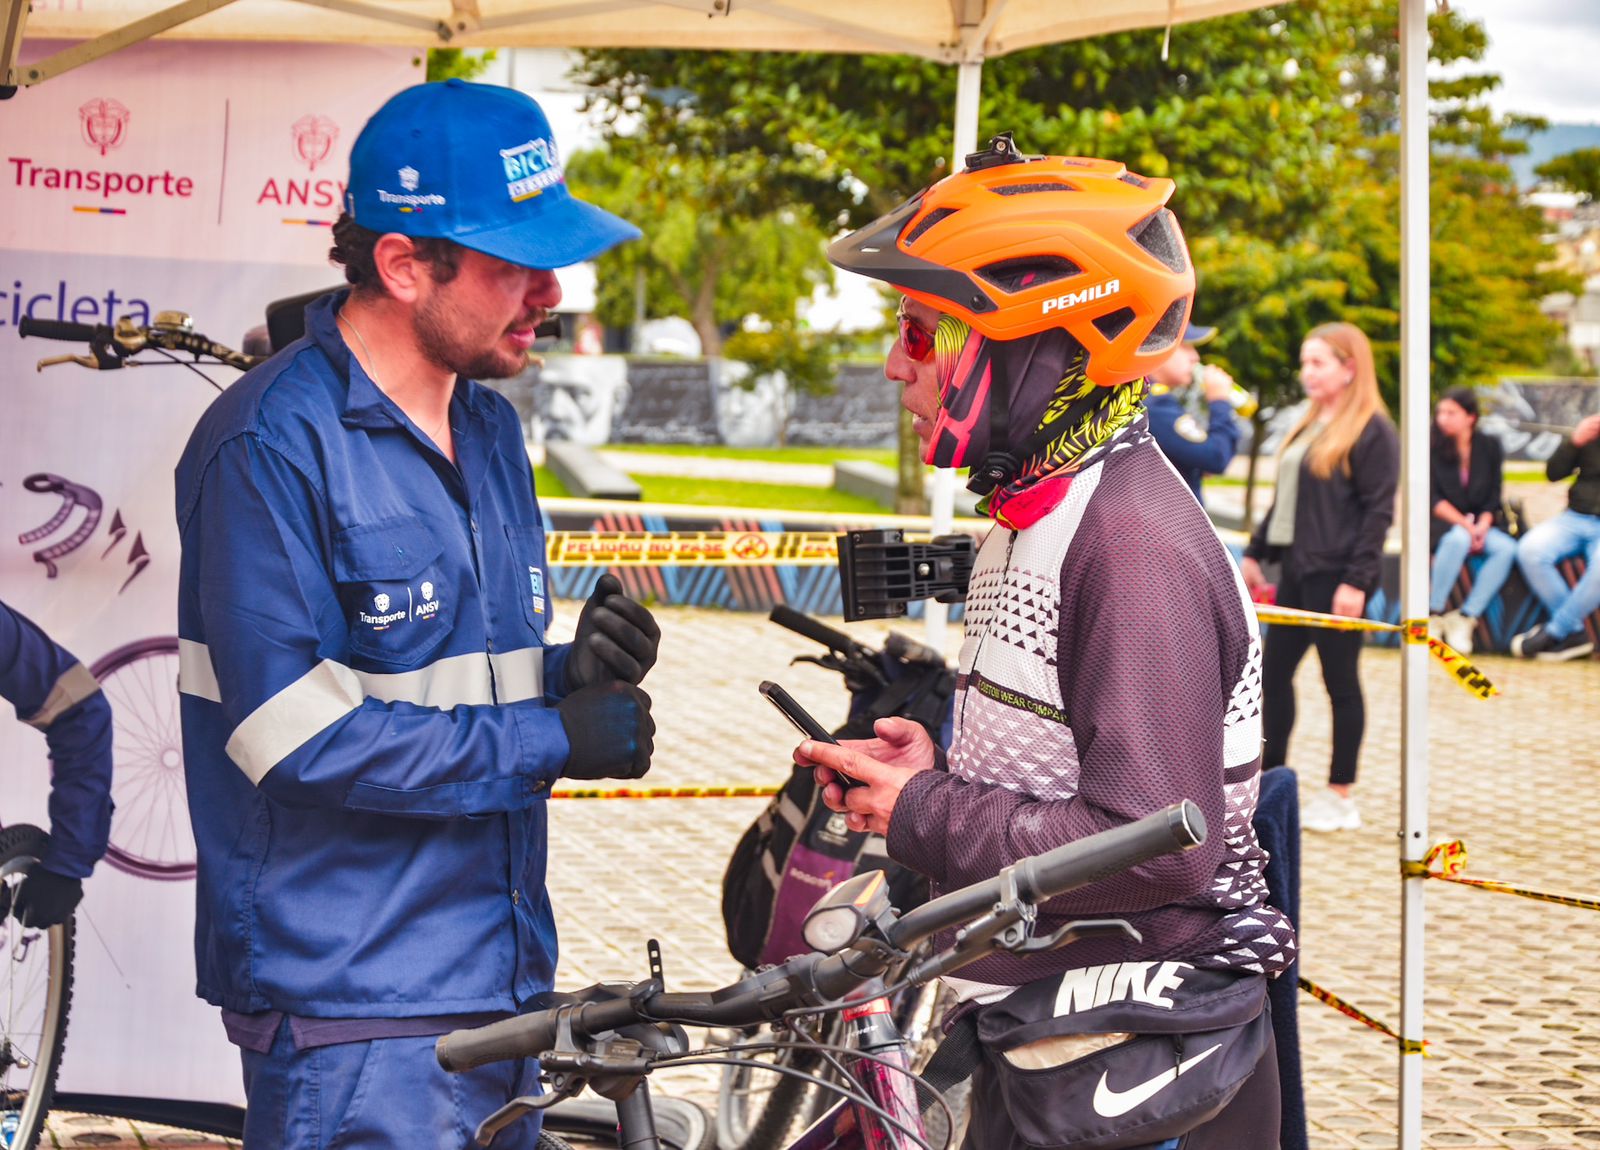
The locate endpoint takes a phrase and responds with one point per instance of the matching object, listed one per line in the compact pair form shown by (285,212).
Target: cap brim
(1196,335)
(567,232)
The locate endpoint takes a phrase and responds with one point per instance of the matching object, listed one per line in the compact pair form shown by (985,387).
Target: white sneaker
(1330,811)
(1457,631)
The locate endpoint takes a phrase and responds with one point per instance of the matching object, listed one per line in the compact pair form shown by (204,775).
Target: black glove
(43,899)
(610,730)
(616,638)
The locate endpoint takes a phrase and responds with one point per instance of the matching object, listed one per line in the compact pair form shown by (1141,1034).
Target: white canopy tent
(959,32)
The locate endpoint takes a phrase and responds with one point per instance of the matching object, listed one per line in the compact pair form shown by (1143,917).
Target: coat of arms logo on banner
(314,137)
(105,123)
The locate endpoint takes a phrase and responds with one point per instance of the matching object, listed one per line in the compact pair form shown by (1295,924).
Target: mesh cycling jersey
(1111,666)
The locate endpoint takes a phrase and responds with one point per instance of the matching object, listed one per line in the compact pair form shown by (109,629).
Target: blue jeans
(380,1095)
(1541,549)
(1500,552)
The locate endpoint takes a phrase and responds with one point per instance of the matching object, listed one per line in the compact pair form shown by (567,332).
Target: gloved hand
(616,638)
(610,730)
(43,899)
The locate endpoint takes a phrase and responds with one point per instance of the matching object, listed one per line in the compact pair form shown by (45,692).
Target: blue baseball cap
(475,164)
(1196,334)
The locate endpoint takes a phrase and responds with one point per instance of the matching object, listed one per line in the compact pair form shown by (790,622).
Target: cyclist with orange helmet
(1111,662)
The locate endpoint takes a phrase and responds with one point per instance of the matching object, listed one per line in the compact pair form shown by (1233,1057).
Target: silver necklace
(372,370)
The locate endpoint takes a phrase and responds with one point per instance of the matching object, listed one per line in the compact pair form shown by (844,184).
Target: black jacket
(1482,491)
(1585,460)
(1340,521)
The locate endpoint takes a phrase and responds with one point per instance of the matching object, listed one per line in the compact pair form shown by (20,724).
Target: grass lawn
(883,455)
(764,496)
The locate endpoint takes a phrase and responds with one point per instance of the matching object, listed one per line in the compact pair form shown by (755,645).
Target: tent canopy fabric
(951,31)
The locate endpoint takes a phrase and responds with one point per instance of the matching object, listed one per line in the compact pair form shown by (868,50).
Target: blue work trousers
(377,1095)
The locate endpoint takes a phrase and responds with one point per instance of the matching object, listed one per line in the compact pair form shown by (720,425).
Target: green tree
(458,63)
(1577,171)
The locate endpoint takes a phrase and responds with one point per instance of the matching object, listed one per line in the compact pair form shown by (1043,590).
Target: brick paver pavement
(1513,1005)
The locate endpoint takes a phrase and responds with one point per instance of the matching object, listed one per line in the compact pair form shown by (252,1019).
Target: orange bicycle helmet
(1017,245)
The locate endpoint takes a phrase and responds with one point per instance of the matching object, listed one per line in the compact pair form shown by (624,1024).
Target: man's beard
(438,337)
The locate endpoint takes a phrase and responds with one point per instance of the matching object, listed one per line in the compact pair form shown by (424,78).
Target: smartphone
(803,722)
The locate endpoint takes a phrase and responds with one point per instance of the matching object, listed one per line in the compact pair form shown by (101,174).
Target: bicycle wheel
(35,994)
(759,1108)
(921,1014)
(150,833)
(591,1123)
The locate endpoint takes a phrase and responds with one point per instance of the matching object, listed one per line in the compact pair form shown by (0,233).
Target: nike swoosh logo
(1109,1103)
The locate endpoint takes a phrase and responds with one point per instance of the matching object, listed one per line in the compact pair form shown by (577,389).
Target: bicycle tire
(147,781)
(591,1123)
(26,1092)
(548,1141)
(785,1104)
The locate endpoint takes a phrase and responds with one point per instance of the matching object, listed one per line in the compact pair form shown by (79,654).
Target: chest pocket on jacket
(527,554)
(391,586)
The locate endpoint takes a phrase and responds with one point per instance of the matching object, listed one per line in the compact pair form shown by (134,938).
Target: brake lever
(1079,929)
(525,1104)
(80,360)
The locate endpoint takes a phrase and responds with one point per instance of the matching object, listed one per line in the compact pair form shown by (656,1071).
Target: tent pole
(969,81)
(1414,422)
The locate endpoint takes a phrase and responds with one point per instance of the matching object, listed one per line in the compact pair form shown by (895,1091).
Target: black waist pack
(1122,1055)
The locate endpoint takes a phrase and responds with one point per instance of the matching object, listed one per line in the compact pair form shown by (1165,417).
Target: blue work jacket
(1194,450)
(365,689)
(56,694)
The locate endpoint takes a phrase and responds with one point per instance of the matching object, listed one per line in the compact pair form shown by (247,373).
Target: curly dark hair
(353,246)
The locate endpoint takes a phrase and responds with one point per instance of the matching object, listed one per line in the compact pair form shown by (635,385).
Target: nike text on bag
(1189,1039)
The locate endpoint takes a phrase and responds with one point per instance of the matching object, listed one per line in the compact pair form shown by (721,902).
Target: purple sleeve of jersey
(1142,671)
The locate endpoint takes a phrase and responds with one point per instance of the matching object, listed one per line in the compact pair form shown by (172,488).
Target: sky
(1547,53)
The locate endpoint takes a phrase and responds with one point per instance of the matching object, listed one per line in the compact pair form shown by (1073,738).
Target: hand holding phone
(804,723)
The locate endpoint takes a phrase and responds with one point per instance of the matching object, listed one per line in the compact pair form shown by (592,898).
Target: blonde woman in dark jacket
(1337,473)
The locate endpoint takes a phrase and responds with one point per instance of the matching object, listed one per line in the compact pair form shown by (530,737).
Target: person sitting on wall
(1576,531)
(1466,467)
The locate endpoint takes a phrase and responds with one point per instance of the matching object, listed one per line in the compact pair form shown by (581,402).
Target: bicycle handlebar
(815,977)
(55,329)
(803,624)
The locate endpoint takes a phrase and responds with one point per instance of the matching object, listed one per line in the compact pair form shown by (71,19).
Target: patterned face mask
(1077,417)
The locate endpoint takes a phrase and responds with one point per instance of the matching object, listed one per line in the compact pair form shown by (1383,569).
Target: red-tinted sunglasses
(916,339)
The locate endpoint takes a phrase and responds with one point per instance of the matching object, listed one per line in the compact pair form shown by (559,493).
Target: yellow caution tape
(1407,1045)
(1447,860)
(1414,631)
(671,793)
(691,548)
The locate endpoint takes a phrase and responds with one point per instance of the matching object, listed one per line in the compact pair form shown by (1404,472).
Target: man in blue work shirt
(372,718)
(1194,449)
(56,694)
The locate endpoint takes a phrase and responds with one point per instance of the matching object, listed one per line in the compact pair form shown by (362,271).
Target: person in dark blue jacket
(1195,449)
(372,715)
(57,695)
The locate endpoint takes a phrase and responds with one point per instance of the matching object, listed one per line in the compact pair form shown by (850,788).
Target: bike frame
(888,1083)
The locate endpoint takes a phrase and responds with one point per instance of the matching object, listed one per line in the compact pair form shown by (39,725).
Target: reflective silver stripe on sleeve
(293,717)
(519,675)
(73,687)
(195,674)
(460,680)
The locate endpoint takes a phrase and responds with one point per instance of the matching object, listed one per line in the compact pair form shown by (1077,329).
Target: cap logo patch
(531,168)
(409,178)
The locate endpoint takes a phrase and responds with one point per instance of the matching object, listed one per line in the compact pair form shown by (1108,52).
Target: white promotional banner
(198,177)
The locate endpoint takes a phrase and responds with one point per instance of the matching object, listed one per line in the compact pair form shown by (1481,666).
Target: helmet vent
(1157,235)
(1136,181)
(927,222)
(1036,186)
(1168,328)
(1029,271)
(1115,323)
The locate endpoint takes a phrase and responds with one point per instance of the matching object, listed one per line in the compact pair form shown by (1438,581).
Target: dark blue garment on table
(1277,825)
(365,685)
(56,694)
